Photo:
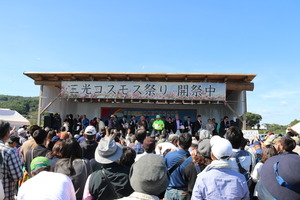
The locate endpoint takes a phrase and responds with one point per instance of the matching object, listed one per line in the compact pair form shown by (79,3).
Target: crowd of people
(146,159)
(126,125)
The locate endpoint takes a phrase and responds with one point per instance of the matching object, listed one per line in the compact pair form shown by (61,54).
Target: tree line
(24,105)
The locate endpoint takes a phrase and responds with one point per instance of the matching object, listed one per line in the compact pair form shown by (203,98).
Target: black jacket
(88,149)
(39,150)
(186,124)
(223,126)
(170,126)
(119,179)
(197,126)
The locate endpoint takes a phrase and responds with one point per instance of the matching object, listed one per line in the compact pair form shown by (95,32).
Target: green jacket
(158,125)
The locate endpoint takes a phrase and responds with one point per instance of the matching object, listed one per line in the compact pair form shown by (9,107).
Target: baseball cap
(38,162)
(90,130)
(220,147)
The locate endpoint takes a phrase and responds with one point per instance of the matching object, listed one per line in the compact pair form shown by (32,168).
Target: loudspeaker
(47,121)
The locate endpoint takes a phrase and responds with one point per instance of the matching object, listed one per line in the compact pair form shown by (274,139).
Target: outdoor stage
(167,94)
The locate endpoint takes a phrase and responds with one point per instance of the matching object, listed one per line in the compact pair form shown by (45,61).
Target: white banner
(144,90)
(251,134)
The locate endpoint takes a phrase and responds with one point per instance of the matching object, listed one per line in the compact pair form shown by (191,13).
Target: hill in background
(26,106)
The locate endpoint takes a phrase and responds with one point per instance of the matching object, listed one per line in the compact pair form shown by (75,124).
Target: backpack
(246,173)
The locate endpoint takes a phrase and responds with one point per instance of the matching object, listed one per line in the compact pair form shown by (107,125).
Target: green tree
(277,129)
(294,122)
(253,119)
(23,105)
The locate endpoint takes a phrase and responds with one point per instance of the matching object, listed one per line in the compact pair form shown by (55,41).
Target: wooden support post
(245,110)
(49,104)
(233,111)
(40,105)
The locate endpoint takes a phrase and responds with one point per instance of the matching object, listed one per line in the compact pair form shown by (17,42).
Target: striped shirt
(11,170)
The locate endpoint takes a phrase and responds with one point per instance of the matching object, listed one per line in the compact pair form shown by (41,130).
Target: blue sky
(195,36)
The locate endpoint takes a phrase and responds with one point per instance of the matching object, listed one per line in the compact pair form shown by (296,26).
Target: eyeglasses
(282,182)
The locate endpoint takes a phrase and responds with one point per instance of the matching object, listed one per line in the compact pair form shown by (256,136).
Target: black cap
(13,139)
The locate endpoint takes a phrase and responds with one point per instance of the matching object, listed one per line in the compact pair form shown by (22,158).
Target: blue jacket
(176,178)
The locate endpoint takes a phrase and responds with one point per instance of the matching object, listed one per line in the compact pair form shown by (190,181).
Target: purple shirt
(220,183)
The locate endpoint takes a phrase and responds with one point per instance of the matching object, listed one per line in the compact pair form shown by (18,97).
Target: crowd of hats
(149,174)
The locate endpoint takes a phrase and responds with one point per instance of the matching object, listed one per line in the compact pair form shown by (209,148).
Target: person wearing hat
(89,145)
(158,125)
(23,135)
(148,178)
(45,184)
(219,180)
(112,180)
(204,134)
(13,141)
(279,178)
(255,150)
(269,140)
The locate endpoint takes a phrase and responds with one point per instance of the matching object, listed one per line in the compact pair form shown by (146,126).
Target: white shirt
(101,125)
(164,146)
(138,156)
(210,127)
(256,172)
(47,186)
(140,196)
(2,196)
(256,177)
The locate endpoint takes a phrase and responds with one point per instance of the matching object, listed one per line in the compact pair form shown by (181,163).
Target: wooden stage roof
(233,81)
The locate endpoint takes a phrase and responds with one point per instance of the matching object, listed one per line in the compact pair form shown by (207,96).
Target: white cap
(90,130)
(21,131)
(220,147)
(270,140)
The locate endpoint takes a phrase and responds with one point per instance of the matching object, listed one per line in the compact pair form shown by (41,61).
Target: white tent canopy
(13,117)
(296,127)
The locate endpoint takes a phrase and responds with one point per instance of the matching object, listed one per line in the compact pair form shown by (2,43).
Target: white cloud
(279,94)
(284,103)
(265,111)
